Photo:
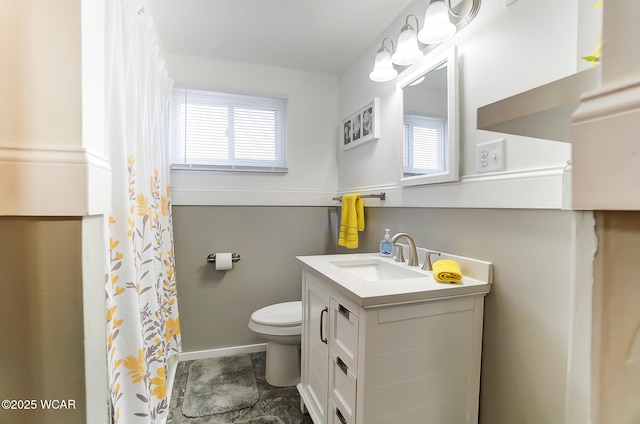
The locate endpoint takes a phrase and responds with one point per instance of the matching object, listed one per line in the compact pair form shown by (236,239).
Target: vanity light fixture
(408,51)
(437,25)
(383,69)
(411,47)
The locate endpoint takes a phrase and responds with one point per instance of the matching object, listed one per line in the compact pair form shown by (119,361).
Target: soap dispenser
(386,247)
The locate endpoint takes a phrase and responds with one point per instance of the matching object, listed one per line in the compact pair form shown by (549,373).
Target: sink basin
(377,270)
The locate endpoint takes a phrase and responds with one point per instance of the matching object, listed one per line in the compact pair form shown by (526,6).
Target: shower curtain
(143,326)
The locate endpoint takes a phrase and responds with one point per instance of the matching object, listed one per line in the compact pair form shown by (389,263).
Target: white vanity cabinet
(329,353)
(398,362)
(315,349)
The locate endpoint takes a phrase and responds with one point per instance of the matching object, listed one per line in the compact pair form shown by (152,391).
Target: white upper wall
(312,135)
(504,51)
(52,108)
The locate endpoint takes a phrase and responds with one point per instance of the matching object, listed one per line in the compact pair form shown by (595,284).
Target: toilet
(281,326)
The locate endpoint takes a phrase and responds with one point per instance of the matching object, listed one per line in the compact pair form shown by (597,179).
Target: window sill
(230,168)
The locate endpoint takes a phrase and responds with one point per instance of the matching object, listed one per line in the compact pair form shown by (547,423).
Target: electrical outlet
(490,156)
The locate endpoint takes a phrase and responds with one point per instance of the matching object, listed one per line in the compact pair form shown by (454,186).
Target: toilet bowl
(281,326)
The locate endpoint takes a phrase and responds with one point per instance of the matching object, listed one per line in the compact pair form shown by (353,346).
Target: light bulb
(437,26)
(407,52)
(383,69)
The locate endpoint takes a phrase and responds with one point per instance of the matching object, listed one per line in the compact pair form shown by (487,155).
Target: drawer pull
(340,416)
(343,311)
(323,339)
(342,365)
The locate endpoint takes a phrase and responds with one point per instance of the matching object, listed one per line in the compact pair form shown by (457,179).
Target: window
(229,132)
(423,145)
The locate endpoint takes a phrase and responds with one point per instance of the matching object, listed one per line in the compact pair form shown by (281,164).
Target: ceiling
(324,36)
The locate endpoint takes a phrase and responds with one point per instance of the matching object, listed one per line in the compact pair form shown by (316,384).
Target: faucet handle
(399,256)
(427,260)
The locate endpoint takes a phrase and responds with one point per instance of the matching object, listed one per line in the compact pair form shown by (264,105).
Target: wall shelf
(543,112)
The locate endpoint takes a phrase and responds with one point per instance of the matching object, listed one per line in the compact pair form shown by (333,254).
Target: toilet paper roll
(223,261)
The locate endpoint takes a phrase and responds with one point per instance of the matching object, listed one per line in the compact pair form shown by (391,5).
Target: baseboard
(225,351)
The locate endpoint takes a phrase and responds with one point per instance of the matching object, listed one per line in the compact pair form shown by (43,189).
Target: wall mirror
(430,120)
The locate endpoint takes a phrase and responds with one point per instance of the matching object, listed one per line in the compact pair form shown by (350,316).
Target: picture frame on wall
(361,127)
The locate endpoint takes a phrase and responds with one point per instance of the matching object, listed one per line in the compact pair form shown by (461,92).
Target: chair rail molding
(53,181)
(606,163)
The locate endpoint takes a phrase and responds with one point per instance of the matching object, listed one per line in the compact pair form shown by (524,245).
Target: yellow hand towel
(352,220)
(447,271)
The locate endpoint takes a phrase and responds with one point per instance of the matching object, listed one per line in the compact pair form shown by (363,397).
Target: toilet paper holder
(235,257)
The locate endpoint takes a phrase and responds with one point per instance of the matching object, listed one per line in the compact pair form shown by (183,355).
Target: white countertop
(476,279)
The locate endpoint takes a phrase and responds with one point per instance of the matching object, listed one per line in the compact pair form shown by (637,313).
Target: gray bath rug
(262,420)
(218,385)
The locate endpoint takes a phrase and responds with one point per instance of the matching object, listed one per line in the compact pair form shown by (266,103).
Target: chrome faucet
(413,259)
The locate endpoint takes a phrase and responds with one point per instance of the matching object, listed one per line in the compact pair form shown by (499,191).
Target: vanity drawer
(342,383)
(344,334)
(336,415)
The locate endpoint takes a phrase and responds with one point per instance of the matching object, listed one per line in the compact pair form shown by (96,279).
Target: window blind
(423,144)
(212,130)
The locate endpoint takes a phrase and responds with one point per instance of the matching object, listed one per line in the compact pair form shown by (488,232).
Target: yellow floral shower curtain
(143,325)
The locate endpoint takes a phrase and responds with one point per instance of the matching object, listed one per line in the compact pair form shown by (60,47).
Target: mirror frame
(427,64)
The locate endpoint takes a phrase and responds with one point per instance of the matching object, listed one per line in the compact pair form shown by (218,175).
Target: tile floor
(283,402)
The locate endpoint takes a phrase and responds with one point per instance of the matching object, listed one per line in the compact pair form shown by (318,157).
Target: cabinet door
(315,369)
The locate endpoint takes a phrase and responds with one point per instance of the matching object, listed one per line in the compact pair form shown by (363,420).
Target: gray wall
(526,315)
(41,317)
(616,318)
(215,306)
(526,326)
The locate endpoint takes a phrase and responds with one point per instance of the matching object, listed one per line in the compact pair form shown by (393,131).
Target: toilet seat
(279,315)
(281,319)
